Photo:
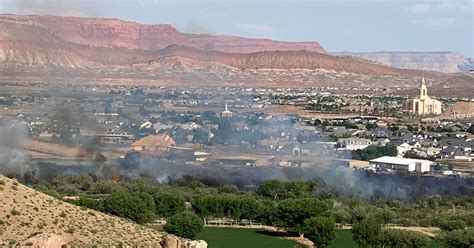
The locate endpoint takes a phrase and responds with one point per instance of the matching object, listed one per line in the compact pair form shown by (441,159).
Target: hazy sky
(350,25)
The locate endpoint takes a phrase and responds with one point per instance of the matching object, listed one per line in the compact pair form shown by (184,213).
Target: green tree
(367,233)
(82,182)
(451,225)
(403,239)
(292,213)
(317,122)
(279,190)
(88,202)
(137,206)
(471,129)
(186,225)
(374,151)
(168,203)
(250,208)
(104,187)
(274,189)
(460,238)
(321,230)
(298,189)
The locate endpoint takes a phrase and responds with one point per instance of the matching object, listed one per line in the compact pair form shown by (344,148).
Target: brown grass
(25,212)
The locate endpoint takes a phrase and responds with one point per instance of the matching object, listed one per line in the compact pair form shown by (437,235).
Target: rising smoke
(325,168)
(13,160)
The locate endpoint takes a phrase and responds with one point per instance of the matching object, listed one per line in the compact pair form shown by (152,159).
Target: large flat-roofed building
(423,104)
(387,163)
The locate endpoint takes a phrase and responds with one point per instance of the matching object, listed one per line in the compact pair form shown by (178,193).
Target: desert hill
(65,49)
(28,217)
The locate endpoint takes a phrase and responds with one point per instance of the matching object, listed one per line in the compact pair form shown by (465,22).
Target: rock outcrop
(170,241)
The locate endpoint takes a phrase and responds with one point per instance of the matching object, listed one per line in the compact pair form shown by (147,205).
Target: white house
(353,143)
(387,163)
(403,148)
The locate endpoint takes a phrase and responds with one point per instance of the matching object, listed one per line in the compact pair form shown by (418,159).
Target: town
(244,127)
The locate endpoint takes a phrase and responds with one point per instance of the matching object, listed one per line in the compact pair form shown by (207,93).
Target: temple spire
(423,90)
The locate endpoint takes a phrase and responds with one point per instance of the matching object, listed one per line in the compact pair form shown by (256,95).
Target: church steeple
(423,90)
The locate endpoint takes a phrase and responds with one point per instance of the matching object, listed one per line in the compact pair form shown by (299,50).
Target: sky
(339,25)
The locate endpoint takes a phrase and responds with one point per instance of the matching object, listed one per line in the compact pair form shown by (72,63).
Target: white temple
(423,104)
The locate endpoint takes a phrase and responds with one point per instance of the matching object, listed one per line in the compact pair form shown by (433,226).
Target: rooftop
(396,160)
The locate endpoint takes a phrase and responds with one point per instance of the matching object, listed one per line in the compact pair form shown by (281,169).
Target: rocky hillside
(131,35)
(31,218)
(448,62)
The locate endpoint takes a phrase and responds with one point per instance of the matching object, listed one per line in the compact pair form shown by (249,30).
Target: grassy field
(343,240)
(238,237)
(252,238)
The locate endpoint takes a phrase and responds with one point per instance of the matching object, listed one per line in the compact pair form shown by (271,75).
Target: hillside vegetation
(30,217)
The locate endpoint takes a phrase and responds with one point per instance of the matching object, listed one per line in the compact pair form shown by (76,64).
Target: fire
(115,181)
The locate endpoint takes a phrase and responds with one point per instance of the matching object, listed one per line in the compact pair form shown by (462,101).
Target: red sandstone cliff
(100,32)
(87,49)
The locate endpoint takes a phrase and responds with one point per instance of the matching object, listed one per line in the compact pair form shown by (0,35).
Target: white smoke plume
(13,159)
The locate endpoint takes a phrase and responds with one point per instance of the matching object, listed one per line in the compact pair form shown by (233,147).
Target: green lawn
(253,238)
(217,237)
(343,239)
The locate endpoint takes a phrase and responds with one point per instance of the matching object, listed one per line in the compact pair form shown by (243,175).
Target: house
(387,163)
(146,125)
(154,143)
(450,142)
(353,143)
(447,152)
(382,141)
(460,155)
(162,126)
(402,147)
(272,143)
(299,149)
(426,143)
(455,153)
(432,151)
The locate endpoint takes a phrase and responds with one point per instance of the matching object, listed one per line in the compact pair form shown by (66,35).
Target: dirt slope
(30,217)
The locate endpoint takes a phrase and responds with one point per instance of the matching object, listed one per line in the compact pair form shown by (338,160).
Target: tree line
(302,208)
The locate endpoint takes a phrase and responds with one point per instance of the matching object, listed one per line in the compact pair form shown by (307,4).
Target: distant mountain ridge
(70,49)
(449,62)
(104,32)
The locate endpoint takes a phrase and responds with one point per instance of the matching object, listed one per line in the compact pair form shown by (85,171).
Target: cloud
(47,7)
(464,6)
(439,21)
(419,8)
(452,6)
(256,29)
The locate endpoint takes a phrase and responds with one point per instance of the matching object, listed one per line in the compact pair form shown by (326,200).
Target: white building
(353,143)
(226,113)
(387,163)
(423,104)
